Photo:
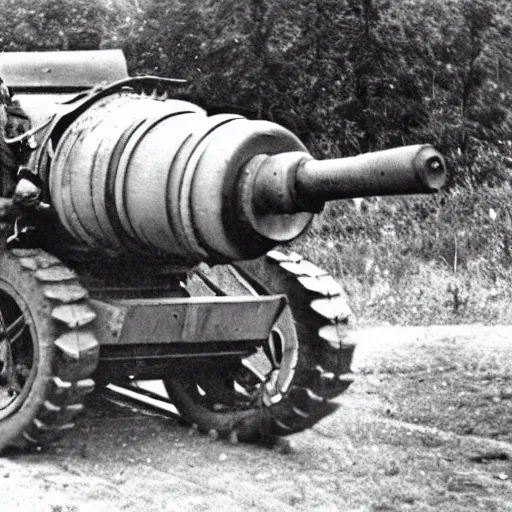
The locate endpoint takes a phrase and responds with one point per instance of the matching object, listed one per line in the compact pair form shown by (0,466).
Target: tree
(54,24)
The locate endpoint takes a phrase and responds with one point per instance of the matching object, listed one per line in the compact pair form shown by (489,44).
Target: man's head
(13,119)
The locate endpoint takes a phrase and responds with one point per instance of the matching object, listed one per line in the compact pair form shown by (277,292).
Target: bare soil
(427,426)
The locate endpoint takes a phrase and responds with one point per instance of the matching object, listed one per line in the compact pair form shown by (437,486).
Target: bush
(438,259)
(52,25)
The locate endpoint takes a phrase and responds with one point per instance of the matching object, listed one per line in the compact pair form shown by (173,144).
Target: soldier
(7,161)
(15,122)
(20,189)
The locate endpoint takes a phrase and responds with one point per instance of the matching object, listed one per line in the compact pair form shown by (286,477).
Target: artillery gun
(157,259)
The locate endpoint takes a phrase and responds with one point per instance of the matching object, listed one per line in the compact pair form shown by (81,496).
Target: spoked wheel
(46,354)
(315,319)
(18,352)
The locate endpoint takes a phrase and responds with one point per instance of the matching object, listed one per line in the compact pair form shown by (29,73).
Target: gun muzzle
(297,183)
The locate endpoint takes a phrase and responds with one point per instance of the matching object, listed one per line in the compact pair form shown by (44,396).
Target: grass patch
(420,260)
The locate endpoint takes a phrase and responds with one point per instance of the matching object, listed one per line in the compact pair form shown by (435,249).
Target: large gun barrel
(142,173)
(404,170)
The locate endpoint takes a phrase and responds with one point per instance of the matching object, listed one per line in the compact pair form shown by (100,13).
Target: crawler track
(321,314)
(318,316)
(44,319)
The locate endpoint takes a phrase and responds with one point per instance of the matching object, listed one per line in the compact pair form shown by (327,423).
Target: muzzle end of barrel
(431,168)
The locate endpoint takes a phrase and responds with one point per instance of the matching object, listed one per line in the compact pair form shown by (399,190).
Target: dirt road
(427,426)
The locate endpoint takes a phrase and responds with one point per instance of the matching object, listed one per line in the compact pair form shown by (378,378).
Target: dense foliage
(421,260)
(346,75)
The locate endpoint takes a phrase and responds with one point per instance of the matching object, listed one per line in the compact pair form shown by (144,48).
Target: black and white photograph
(255,256)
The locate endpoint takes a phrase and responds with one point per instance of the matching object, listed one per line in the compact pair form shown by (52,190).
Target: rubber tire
(59,380)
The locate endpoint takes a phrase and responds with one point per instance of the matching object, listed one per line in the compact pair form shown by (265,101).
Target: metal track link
(75,349)
(321,314)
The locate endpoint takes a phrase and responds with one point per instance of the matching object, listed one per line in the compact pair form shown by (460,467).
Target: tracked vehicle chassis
(153,223)
(225,346)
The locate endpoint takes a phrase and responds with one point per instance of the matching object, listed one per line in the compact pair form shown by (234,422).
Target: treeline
(346,75)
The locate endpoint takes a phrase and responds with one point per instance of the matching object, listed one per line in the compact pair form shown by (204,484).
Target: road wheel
(47,353)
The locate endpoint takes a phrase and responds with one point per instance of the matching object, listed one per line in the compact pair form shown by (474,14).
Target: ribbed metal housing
(135,173)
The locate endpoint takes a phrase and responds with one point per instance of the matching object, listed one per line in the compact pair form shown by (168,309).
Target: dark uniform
(20,189)
(13,123)
(7,160)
